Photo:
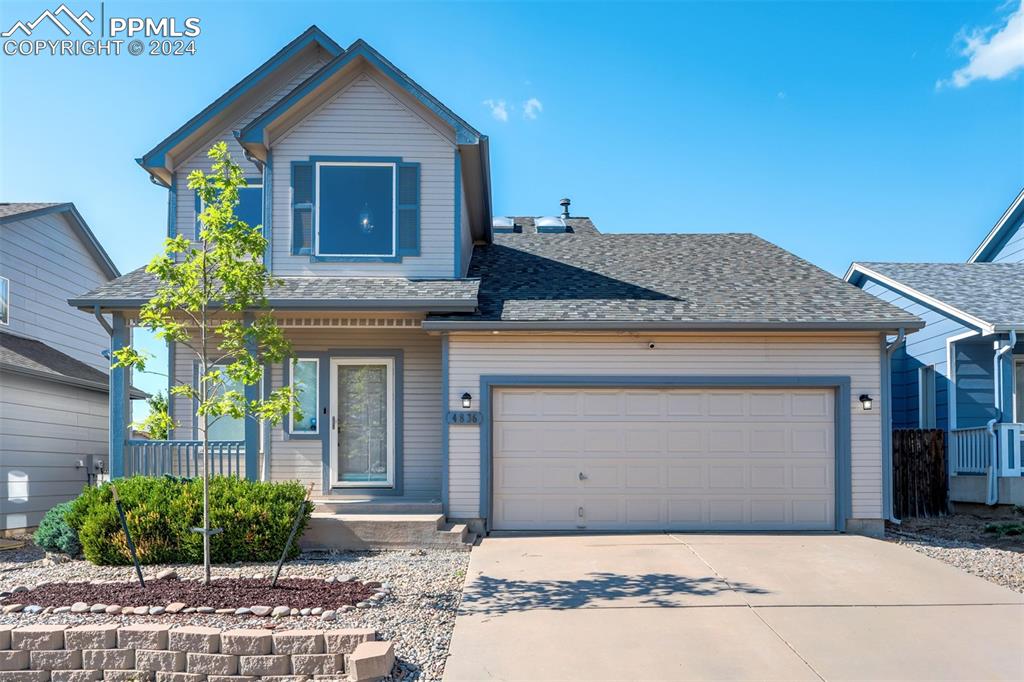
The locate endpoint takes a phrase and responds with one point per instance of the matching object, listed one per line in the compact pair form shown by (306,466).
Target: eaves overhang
(886,326)
(857,274)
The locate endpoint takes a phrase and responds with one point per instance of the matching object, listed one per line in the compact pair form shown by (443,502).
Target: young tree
(211,298)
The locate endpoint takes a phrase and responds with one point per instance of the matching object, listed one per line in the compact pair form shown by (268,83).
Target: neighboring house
(964,372)
(515,373)
(53,378)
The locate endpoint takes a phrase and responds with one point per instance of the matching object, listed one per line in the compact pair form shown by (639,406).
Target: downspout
(888,350)
(992,492)
(103,320)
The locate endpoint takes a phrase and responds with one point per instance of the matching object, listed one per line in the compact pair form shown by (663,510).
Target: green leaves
(208,288)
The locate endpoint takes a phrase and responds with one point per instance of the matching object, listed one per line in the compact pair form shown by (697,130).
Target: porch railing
(183,457)
(971,450)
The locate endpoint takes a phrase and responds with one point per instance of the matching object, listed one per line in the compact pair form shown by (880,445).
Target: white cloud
(499,110)
(533,106)
(992,53)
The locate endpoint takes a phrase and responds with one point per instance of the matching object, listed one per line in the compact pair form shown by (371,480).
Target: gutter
(669,326)
(992,489)
(887,352)
(439,305)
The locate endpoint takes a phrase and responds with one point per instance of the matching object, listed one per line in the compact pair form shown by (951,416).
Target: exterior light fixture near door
(865,401)
(467,401)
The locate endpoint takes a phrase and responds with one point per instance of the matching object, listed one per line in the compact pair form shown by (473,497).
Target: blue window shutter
(408,209)
(302,207)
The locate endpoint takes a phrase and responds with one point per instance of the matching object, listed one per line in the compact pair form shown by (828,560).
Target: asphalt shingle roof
(9,208)
(992,292)
(139,286)
(682,280)
(17,352)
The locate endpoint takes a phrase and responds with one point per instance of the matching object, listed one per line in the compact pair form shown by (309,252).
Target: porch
(971,453)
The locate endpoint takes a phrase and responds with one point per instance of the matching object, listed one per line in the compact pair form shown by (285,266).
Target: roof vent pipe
(564,203)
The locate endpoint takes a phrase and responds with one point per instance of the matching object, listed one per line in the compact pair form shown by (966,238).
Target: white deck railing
(971,449)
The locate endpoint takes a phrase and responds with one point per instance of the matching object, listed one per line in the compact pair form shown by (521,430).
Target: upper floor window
(352,210)
(5,301)
(250,204)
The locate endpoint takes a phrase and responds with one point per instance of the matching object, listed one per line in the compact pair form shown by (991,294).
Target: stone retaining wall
(164,653)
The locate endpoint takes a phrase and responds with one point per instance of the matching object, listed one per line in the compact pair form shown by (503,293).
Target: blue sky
(841,131)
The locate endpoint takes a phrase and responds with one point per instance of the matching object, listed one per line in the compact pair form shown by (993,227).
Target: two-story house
(964,371)
(53,378)
(513,372)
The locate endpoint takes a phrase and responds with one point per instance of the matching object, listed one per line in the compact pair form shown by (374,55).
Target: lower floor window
(228,428)
(363,440)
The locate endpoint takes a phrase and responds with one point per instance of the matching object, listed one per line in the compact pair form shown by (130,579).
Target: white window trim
(7,301)
(1018,363)
(335,469)
(394,208)
(316,410)
(921,397)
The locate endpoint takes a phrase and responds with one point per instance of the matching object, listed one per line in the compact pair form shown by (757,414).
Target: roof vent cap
(564,203)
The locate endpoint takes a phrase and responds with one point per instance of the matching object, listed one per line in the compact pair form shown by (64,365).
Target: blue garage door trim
(841,385)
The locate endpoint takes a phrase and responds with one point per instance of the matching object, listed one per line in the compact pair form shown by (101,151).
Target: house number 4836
(463,417)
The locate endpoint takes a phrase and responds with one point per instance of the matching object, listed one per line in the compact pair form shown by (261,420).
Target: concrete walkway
(728,607)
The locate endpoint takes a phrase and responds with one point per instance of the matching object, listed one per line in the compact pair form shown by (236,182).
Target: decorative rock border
(10,606)
(58,653)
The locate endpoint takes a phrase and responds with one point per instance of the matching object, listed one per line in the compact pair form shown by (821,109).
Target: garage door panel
(664,459)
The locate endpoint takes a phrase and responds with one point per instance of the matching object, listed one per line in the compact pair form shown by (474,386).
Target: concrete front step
(328,530)
(348,506)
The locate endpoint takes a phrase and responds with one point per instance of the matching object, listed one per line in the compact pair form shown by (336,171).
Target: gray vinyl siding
(924,347)
(1012,250)
(197,159)
(365,119)
(45,429)
(293,459)
(854,355)
(47,264)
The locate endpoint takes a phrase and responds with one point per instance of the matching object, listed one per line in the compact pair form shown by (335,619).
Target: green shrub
(55,534)
(161,512)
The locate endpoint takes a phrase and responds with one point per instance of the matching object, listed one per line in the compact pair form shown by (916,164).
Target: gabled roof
(34,358)
(11,212)
(154,160)
(313,293)
(999,233)
(988,296)
(675,282)
(252,135)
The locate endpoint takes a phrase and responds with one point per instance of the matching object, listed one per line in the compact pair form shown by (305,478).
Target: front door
(362,440)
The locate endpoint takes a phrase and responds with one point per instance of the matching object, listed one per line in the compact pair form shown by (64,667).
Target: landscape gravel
(1001,566)
(417,615)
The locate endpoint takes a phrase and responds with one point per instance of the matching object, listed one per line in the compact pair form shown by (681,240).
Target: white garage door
(663,459)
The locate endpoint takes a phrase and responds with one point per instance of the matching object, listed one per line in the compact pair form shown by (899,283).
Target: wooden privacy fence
(919,474)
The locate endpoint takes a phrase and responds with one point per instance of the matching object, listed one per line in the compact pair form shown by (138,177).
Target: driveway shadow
(488,595)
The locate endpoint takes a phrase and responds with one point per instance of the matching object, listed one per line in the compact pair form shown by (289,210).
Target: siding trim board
(444,423)
(841,384)
(995,240)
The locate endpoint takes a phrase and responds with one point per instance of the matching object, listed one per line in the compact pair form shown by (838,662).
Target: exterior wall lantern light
(467,401)
(865,401)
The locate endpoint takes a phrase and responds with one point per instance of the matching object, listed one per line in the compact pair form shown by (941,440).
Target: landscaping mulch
(297,593)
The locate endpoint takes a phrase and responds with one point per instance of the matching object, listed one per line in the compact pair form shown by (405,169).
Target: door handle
(583,476)
(334,422)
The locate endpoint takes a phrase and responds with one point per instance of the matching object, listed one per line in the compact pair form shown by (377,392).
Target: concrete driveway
(728,607)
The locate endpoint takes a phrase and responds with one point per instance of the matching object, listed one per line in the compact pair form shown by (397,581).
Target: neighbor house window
(306,380)
(5,301)
(355,209)
(926,397)
(250,205)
